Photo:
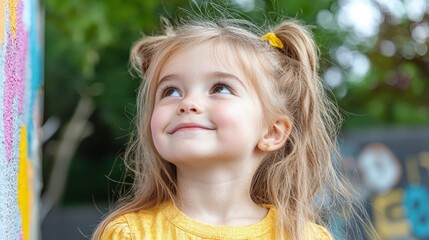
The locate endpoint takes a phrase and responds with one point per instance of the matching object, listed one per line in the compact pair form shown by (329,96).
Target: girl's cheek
(161,118)
(155,121)
(156,128)
(230,115)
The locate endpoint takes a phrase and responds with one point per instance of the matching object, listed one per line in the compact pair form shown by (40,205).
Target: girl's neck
(218,196)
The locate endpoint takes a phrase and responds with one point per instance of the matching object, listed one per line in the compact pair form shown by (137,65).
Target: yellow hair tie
(273,40)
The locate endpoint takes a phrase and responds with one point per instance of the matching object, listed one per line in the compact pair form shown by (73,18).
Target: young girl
(234,136)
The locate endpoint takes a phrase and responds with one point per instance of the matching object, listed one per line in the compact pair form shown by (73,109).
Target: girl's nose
(189,106)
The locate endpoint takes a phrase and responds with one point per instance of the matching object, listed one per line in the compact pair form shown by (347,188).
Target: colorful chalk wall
(393,168)
(20,117)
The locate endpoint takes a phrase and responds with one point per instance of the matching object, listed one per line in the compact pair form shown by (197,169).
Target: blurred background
(375,64)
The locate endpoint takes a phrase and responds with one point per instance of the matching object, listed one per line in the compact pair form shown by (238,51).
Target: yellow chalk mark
(389,215)
(24,191)
(424,160)
(2,21)
(13,12)
(412,168)
(398,213)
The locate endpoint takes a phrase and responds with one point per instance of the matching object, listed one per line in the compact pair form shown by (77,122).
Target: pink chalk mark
(14,86)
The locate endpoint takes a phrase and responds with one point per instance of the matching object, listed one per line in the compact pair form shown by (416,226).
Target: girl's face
(205,111)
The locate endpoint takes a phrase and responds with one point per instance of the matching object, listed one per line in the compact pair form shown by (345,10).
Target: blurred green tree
(380,73)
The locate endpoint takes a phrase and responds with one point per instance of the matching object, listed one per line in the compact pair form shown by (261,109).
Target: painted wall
(393,167)
(20,116)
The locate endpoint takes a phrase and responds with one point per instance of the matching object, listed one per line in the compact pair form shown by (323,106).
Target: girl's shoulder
(313,231)
(117,229)
(129,225)
(317,232)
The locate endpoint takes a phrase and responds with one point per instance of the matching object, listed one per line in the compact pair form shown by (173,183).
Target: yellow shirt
(166,222)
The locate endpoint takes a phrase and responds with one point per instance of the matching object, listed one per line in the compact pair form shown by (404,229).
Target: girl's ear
(276,136)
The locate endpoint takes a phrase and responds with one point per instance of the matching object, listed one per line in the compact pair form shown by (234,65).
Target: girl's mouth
(189,126)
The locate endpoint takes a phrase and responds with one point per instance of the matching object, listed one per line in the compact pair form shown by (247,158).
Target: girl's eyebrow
(210,75)
(225,75)
(168,77)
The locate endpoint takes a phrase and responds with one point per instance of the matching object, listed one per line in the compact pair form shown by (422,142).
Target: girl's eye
(221,88)
(170,92)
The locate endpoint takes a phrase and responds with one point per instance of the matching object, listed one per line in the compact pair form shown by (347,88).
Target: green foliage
(394,92)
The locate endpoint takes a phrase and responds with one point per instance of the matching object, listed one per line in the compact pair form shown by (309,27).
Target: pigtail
(298,44)
(142,51)
(301,54)
(296,173)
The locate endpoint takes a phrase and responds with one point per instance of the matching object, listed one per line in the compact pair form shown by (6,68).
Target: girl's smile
(189,127)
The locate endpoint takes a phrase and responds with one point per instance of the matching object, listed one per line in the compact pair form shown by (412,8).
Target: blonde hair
(287,83)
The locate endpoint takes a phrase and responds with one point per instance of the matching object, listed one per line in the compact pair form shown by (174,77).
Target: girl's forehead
(219,54)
